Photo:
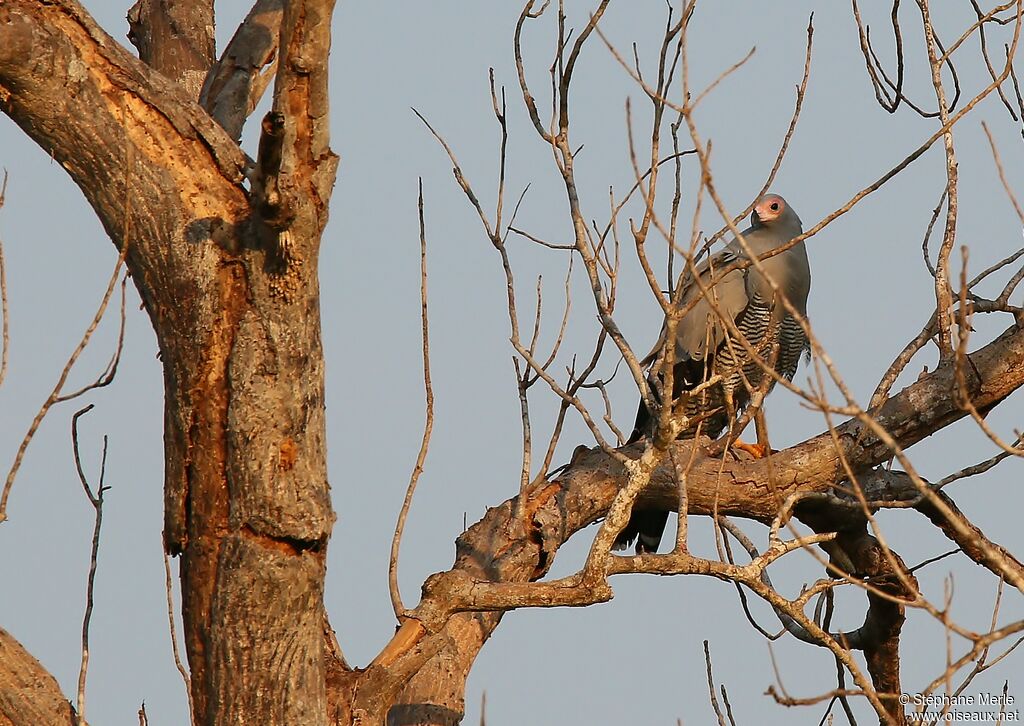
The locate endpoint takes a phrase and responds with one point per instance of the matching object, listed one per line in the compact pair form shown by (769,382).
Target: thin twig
(979,468)
(96,500)
(174,632)
(932,560)
(732,528)
(943,297)
(428,426)
(1002,174)
(801,92)
(844,701)
(711,686)
(988,61)
(55,394)
(5,339)
(106,377)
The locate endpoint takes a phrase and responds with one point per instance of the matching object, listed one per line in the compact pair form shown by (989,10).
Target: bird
(704,346)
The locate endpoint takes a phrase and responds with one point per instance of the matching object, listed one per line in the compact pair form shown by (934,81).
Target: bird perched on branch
(715,369)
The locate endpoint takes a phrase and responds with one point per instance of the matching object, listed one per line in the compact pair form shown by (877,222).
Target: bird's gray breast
(771,333)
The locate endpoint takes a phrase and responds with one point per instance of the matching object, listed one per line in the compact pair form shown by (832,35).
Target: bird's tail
(646,527)
(642,425)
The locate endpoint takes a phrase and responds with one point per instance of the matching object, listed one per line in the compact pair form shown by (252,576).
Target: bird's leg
(733,438)
(730,411)
(762,448)
(758,450)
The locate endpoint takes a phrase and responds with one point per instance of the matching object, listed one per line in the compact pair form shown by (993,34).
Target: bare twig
(928,232)
(889,103)
(732,528)
(979,468)
(989,17)
(840,672)
(981,643)
(55,395)
(983,664)
(96,500)
(428,426)
(106,377)
(1002,174)
(711,689)
(801,92)
(988,61)
(561,147)
(174,632)
(1016,85)
(932,560)
(943,297)
(5,339)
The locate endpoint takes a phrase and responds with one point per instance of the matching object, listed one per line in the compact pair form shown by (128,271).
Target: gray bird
(704,346)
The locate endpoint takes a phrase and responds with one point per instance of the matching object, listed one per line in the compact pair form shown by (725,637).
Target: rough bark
(176,37)
(237,81)
(29,695)
(247,501)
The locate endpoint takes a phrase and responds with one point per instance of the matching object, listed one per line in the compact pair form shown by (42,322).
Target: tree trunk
(233,296)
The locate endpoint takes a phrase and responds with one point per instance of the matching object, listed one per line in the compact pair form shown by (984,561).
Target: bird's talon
(758,451)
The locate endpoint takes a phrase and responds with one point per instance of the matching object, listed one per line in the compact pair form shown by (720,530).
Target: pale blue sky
(637,659)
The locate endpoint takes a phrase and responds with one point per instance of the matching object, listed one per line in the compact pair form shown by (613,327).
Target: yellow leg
(758,451)
(762,448)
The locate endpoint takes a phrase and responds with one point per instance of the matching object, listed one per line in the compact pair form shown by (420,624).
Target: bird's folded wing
(702,328)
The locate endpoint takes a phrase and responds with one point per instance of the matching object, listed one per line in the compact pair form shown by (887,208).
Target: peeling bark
(247,501)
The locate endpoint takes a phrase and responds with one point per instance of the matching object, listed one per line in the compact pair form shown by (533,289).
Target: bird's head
(770,210)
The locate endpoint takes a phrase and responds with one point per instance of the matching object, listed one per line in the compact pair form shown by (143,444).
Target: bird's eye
(775,206)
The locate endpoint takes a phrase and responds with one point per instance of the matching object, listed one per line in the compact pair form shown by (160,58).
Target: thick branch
(237,81)
(857,553)
(898,487)
(176,38)
(301,95)
(490,552)
(127,138)
(296,168)
(29,695)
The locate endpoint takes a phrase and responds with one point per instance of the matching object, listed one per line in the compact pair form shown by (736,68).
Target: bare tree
(223,250)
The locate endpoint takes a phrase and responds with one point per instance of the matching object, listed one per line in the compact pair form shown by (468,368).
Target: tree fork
(247,500)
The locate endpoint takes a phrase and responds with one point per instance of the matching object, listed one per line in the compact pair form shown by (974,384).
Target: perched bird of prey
(704,346)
